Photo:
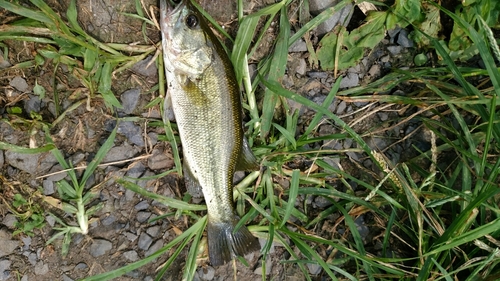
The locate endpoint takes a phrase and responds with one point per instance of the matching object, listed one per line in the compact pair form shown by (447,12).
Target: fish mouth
(168,8)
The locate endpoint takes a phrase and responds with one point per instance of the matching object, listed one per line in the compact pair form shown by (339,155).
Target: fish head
(187,48)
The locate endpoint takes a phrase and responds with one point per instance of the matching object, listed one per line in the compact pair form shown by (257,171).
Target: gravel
(99,247)
(19,84)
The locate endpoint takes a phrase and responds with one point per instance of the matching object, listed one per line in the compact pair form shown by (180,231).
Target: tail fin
(224,243)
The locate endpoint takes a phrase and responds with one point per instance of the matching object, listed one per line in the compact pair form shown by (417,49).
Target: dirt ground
(121,231)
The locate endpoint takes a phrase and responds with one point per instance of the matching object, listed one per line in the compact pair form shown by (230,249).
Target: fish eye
(191,21)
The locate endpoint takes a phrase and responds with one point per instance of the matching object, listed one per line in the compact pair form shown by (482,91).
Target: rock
(143,205)
(146,67)
(27,242)
(130,236)
(99,247)
(153,231)
(403,39)
(50,220)
(298,46)
(341,107)
(48,187)
(361,226)
(3,62)
(159,160)
(136,170)
(109,220)
(32,258)
(321,202)
(9,221)
(350,80)
(341,17)
(144,241)
(7,246)
(130,99)
(131,256)
(314,269)
(19,84)
(122,152)
(394,50)
(81,265)
(206,273)
(41,268)
(155,247)
(5,269)
(66,278)
(131,131)
(269,267)
(34,103)
(31,163)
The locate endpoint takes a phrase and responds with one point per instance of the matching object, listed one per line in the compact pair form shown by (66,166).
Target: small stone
(136,170)
(122,152)
(321,202)
(26,241)
(403,39)
(34,103)
(146,67)
(153,231)
(9,221)
(394,50)
(48,187)
(130,99)
(131,256)
(144,241)
(269,267)
(41,268)
(3,62)
(131,131)
(206,273)
(361,226)
(130,236)
(7,246)
(5,269)
(109,220)
(341,107)
(143,216)
(155,247)
(350,80)
(66,278)
(31,163)
(19,84)
(81,265)
(99,247)
(298,46)
(32,258)
(383,116)
(341,17)
(143,205)
(50,220)
(314,269)
(159,160)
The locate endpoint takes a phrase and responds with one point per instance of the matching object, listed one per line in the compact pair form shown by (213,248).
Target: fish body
(205,99)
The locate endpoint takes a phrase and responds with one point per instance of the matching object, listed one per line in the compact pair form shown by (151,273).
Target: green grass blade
(25,150)
(292,196)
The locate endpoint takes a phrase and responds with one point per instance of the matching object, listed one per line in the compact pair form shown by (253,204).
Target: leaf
(39,90)
(105,87)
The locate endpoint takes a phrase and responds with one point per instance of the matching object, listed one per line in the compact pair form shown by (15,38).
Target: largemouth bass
(205,99)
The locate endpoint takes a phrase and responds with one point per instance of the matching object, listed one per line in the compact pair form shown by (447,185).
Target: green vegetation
(436,216)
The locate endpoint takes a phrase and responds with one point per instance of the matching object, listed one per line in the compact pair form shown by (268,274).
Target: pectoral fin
(246,161)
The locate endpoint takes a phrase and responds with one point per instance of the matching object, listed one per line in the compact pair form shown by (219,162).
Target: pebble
(3,62)
(5,270)
(350,80)
(153,231)
(362,228)
(341,107)
(383,116)
(9,221)
(159,160)
(269,267)
(132,132)
(66,278)
(144,241)
(19,84)
(136,170)
(321,202)
(131,256)
(155,247)
(99,247)
(81,265)
(130,236)
(298,46)
(31,163)
(143,205)
(7,246)
(341,17)
(394,50)
(130,99)
(122,152)
(34,103)
(32,258)
(314,269)
(27,242)
(403,39)
(41,268)
(48,187)
(146,68)
(50,220)
(109,220)
(207,273)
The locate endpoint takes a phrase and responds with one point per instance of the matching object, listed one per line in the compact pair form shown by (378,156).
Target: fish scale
(205,99)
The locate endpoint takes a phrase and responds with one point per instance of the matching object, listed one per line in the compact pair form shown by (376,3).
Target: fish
(204,96)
